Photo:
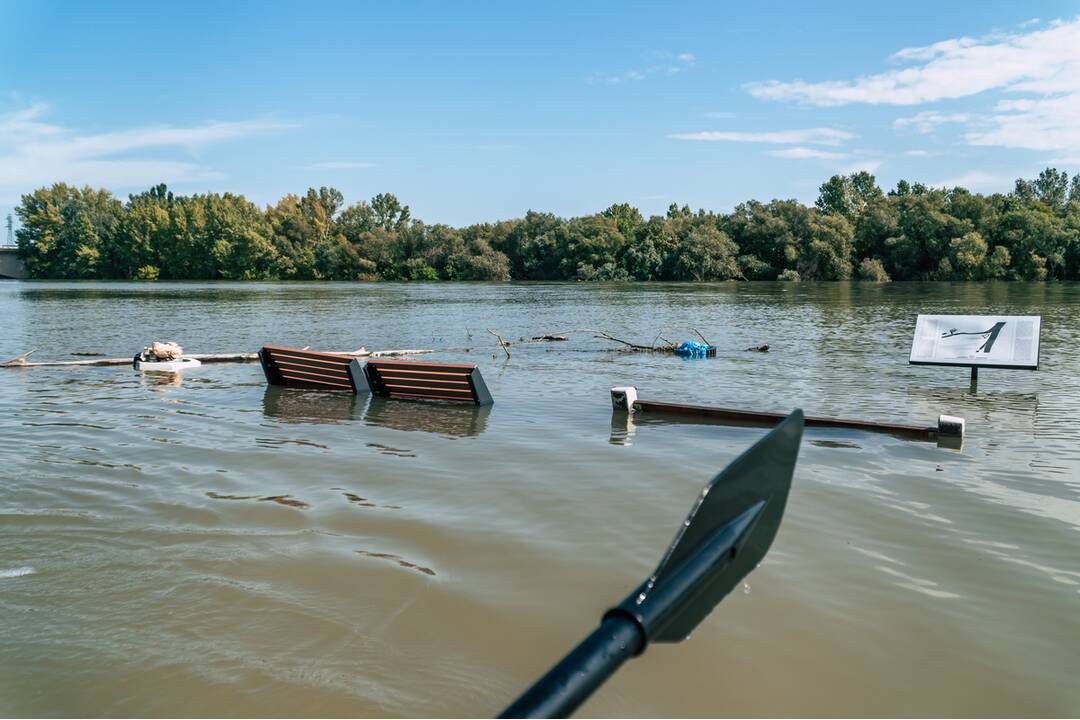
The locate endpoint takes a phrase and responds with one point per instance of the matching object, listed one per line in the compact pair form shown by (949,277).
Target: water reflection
(439,418)
(158,378)
(291,405)
(623,428)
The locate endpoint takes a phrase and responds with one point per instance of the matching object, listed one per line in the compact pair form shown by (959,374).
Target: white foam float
(166,366)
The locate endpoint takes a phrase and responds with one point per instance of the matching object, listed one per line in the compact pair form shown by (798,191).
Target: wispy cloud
(340,165)
(805,153)
(34,152)
(719,115)
(919,153)
(1038,65)
(976,180)
(1038,61)
(808,136)
(929,120)
(862,166)
(660,63)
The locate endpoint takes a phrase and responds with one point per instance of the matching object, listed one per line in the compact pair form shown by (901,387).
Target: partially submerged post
(997,341)
(948,431)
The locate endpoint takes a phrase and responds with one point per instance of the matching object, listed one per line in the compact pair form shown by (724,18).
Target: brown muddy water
(207,546)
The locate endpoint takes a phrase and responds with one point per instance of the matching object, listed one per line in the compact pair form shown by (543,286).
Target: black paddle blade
(735,519)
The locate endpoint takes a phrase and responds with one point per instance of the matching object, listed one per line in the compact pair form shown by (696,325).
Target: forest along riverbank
(854,230)
(208,543)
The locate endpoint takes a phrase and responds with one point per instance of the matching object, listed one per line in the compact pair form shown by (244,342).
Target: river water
(205,545)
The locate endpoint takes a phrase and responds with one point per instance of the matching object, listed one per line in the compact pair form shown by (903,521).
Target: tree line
(853,230)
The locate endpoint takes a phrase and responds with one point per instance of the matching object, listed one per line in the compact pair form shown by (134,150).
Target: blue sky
(479,111)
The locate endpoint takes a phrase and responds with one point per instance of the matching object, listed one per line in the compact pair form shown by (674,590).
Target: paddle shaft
(585,668)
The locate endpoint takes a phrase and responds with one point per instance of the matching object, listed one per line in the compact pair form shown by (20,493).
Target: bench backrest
(293,367)
(427,381)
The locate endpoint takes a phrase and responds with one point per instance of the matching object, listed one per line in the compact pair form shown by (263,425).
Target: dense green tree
(826,252)
(848,196)
(912,233)
(590,245)
(706,254)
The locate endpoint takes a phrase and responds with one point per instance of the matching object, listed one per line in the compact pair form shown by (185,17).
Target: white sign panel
(1005,341)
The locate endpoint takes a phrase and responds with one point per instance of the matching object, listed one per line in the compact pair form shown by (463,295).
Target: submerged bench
(427,381)
(308,369)
(293,367)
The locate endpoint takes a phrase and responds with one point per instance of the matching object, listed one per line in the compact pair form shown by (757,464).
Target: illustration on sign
(1002,341)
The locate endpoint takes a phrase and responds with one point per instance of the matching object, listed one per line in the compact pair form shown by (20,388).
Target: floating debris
(387,450)
(356,499)
(398,559)
(287,500)
(835,444)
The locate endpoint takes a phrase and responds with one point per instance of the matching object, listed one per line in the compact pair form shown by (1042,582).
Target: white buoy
(623,398)
(166,366)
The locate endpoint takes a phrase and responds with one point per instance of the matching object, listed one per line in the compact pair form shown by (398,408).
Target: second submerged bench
(456,382)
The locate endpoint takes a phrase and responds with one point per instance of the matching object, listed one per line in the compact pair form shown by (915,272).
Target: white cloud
(663,63)
(805,153)
(1035,61)
(340,165)
(808,136)
(918,153)
(1039,66)
(1048,124)
(35,153)
(720,115)
(862,166)
(929,120)
(976,180)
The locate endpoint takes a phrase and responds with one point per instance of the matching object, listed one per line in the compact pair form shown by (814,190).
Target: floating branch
(701,336)
(502,343)
(632,347)
(20,361)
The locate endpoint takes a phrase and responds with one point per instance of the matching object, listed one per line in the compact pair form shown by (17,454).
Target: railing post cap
(623,398)
(951,425)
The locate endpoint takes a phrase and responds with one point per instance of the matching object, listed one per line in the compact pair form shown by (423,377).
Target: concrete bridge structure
(11,265)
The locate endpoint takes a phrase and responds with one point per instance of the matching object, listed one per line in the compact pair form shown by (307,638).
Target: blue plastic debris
(693,349)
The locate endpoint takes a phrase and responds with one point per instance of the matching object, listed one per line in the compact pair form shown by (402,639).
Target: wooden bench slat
(424,381)
(310,377)
(328,361)
(342,372)
(466,392)
(401,372)
(409,364)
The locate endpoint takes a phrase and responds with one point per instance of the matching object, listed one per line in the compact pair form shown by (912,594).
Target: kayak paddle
(725,536)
